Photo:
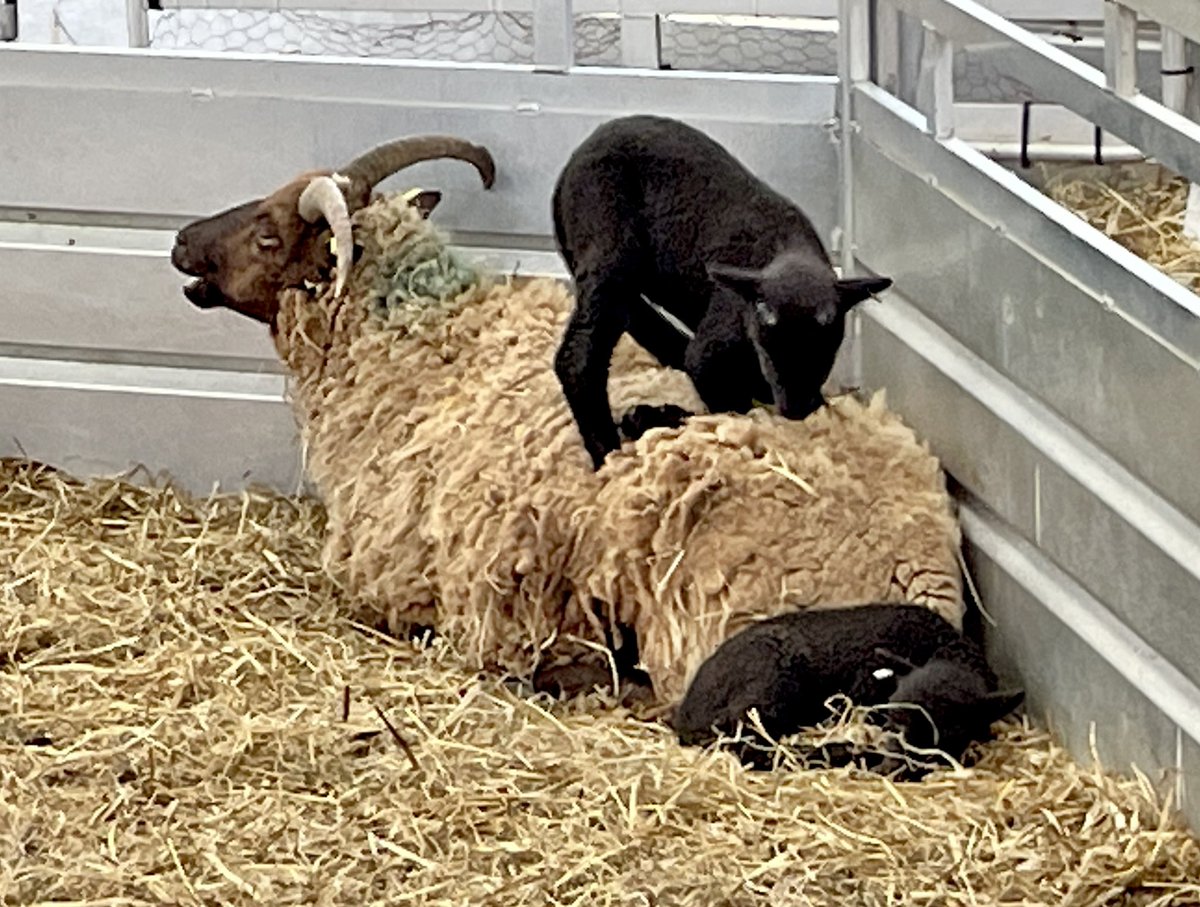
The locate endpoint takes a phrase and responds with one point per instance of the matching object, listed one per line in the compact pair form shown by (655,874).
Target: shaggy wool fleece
(459,493)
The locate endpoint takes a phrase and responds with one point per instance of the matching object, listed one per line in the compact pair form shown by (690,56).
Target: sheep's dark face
(243,257)
(794,313)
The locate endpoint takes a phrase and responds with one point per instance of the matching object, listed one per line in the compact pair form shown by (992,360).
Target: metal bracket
(8,20)
(553,35)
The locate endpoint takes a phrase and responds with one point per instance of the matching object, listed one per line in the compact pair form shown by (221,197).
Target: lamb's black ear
(997,705)
(854,290)
(742,280)
(894,661)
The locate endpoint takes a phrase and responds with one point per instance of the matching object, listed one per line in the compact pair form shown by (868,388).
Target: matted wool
(460,494)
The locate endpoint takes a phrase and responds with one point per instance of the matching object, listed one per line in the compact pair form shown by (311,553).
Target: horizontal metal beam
(128,303)
(72,293)
(200,427)
(1111,640)
(1056,75)
(1062,10)
(1132,285)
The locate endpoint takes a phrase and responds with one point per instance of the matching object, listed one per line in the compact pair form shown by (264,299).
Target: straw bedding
(460,495)
(1140,206)
(173,674)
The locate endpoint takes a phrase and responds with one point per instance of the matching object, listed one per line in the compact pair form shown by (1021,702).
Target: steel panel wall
(1048,308)
(1044,479)
(1094,615)
(215,129)
(117,304)
(200,427)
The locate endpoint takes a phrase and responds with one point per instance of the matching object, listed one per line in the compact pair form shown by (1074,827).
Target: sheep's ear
(854,290)
(997,705)
(741,280)
(425,201)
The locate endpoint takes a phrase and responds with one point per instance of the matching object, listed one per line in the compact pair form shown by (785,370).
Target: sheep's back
(459,491)
(702,529)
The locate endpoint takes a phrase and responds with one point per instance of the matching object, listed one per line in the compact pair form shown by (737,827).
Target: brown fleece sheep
(459,495)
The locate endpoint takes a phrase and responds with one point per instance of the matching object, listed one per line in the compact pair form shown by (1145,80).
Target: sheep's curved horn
(374,166)
(322,197)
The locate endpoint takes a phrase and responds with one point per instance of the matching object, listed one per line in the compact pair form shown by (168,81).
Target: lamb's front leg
(582,364)
(722,363)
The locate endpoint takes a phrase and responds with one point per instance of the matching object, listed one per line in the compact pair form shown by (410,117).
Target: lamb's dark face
(794,313)
(951,707)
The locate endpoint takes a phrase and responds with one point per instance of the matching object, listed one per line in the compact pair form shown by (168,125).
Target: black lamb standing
(651,209)
(897,655)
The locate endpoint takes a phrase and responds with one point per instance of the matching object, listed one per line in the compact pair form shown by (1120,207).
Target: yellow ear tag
(333,244)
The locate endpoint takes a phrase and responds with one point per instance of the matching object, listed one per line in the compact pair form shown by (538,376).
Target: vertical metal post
(1174,63)
(1191,100)
(935,88)
(553,35)
(1190,107)
(1120,48)
(137,22)
(885,35)
(854,66)
(912,47)
(641,41)
(8,20)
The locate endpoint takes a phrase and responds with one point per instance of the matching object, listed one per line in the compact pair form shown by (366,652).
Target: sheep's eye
(268,242)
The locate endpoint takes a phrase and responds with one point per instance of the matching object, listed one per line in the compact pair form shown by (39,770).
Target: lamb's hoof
(410,631)
(566,681)
(643,417)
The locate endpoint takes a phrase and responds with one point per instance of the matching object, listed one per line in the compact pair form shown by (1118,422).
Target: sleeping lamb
(934,682)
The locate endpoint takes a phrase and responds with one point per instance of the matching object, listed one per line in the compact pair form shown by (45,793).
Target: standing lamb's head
(945,705)
(794,312)
(244,256)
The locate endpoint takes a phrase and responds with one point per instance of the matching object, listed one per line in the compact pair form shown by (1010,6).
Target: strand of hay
(1140,206)
(189,718)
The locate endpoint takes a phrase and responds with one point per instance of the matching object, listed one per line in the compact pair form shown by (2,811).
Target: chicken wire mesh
(711,43)
(497,38)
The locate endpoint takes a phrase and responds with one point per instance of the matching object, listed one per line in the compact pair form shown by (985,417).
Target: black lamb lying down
(649,208)
(936,685)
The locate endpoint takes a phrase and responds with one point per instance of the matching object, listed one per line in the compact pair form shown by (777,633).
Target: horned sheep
(458,496)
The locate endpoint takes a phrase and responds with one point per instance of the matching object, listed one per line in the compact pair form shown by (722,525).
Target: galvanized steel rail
(1056,374)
